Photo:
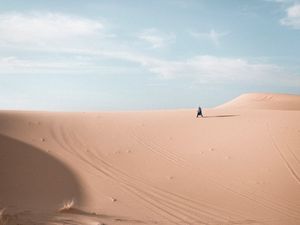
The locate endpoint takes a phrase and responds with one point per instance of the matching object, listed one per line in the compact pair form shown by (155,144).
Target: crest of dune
(264,101)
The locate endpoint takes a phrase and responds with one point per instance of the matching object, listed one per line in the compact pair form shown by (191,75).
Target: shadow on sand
(32,179)
(220,116)
(34,185)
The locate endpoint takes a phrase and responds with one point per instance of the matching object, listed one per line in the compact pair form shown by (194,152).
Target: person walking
(199,113)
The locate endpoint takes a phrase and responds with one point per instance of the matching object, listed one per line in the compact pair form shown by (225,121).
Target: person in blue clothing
(199,113)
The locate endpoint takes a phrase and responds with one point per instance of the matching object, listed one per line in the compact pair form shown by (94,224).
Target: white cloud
(205,68)
(210,68)
(38,28)
(201,68)
(23,31)
(292,18)
(156,38)
(212,35)
(279,1)
(19,65)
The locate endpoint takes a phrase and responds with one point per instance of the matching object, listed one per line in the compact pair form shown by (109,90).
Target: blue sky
(134,55)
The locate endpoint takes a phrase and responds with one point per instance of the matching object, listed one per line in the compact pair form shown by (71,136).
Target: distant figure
(199,113)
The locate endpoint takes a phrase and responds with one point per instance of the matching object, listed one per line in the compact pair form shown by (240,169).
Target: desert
(239,164)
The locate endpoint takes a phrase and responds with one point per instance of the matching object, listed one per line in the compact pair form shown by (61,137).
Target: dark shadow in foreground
(32,179)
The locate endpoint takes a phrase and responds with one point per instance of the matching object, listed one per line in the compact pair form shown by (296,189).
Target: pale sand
(238,165)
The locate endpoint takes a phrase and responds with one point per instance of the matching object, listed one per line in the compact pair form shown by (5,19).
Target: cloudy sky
(140,54)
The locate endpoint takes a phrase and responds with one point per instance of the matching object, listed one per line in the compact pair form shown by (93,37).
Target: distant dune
(240,164)
(265,101)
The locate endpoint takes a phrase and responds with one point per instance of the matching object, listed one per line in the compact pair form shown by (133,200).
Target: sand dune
(265,101)
(238,165)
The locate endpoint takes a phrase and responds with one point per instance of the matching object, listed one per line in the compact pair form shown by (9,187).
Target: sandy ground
(240,164)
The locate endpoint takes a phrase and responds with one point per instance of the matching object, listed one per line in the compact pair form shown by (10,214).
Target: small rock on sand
(113,199)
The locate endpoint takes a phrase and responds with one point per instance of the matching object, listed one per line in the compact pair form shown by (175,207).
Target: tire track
(168,204)
(157,152)
(285,161)
(160,148)
(127,178)
(266,203)
(69,148)
(161,192)
(293,154)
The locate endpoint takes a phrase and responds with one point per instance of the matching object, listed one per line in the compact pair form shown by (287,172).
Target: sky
(93,55)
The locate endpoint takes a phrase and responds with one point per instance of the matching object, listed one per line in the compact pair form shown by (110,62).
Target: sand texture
(239,165)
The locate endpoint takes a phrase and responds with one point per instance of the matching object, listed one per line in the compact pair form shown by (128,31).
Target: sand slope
(265,101)
(238,165)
